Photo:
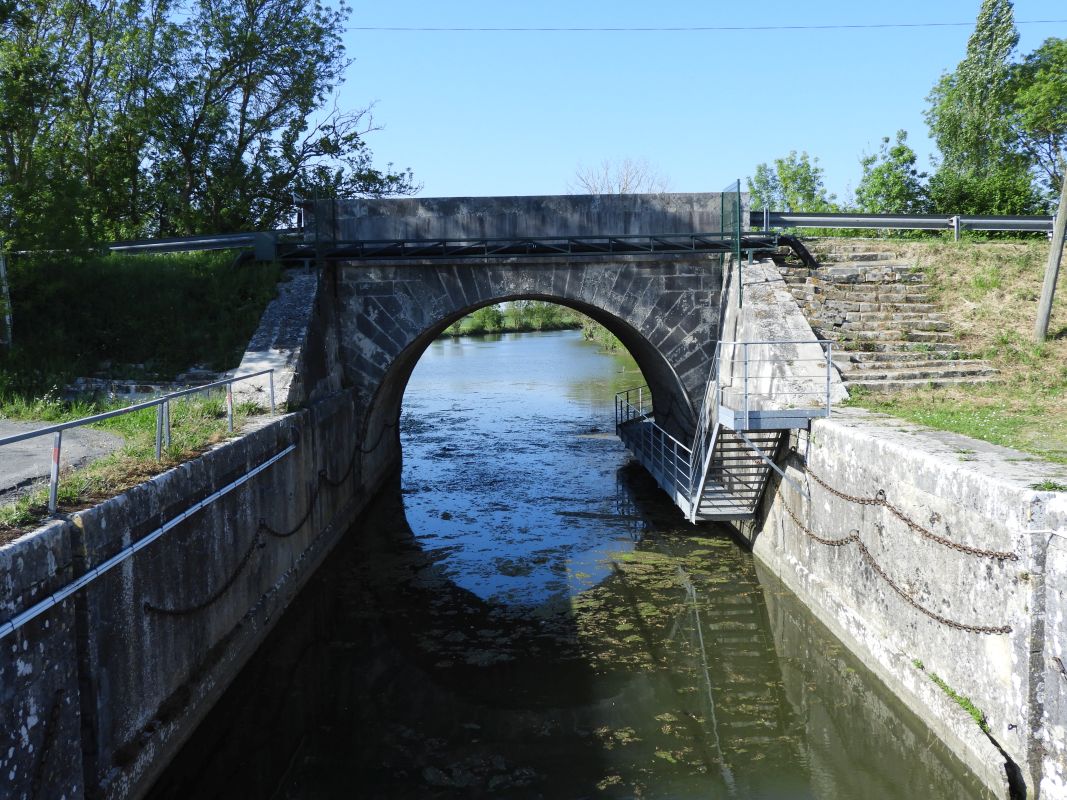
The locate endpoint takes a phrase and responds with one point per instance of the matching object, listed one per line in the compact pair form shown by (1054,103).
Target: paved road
(24,462)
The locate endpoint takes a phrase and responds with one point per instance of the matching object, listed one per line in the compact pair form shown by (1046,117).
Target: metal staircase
(751,401)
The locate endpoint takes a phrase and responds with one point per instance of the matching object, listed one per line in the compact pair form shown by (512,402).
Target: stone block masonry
(99,692)
(663,308)
(928,554)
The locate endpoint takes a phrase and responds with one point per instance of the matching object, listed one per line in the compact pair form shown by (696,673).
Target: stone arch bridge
(396,273)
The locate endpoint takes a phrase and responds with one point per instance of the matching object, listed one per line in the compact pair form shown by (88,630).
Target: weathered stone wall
(99,692)
(894,588)
(1054,661)
(663,308)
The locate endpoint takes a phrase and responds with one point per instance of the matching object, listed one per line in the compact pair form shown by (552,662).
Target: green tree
(137,117)
(233,132)
(981,170)
(1039,121)
(891,184)
(794,184)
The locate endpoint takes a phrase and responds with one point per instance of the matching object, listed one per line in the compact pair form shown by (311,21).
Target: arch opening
(671,402)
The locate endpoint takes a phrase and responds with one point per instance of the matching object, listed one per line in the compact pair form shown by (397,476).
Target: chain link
(880,500)
(854,537)
(258,540)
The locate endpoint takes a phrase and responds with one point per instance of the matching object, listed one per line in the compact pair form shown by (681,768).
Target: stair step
(902,361)
(893,348)
(918,373)
(903,385)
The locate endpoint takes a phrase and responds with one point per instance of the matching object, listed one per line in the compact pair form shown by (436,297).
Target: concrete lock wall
(525,216)
(100,692)
(926,556)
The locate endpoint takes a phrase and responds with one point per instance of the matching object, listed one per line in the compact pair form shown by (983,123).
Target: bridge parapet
(509,217)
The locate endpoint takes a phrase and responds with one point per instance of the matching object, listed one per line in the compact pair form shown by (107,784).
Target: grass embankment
(196,424)
(141,317)
(989,291)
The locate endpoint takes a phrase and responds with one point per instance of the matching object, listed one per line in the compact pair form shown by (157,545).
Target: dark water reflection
(525,615)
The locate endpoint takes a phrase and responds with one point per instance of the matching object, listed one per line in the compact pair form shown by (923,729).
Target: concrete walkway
(24,462)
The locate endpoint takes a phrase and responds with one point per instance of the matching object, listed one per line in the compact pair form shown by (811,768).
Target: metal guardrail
(623,244)
(767,220)
(216,241)
(162,405)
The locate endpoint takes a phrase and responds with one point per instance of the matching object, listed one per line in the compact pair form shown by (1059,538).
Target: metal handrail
(750,384)
(162,405)
(667,456)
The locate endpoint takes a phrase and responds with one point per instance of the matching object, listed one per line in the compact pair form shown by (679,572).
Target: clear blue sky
(494,113)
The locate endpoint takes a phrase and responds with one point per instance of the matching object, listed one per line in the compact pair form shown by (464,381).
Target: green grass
(962,701)
(516,317)
(196,423)
(988,290)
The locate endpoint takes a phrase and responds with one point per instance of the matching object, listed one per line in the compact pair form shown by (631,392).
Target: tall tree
(980,169)
(1039,121)
(123,118)
(891,184)
(233,116)
(795,183)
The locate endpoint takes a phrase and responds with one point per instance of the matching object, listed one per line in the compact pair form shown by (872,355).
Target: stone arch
(664,310)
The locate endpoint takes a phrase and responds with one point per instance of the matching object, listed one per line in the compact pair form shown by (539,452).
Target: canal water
(522,613)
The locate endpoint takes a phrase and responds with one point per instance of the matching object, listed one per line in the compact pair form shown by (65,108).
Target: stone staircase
(888,335)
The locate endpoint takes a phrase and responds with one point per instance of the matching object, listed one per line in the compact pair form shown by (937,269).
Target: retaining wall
(927,557)
(99,692)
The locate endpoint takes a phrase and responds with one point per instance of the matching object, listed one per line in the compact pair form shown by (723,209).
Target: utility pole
(1052,271)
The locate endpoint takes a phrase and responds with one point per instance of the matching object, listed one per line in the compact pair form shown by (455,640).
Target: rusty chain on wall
(880,500)
(258,540)
(854,537)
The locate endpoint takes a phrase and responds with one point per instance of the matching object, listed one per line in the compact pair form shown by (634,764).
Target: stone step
(891,361)
(904,385)
(866,256)
(921,372)
(892,348)
(863,307)
(856,320)
(874,333)
(863,292)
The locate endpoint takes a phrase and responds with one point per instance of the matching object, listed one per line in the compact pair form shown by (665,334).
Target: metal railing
(58,596)
(766,220)
(665,457)
(781,381)
(163,427)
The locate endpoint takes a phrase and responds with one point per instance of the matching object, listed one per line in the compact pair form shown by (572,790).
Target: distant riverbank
(524,316)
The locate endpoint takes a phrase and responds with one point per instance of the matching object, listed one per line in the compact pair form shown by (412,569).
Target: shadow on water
(540,622)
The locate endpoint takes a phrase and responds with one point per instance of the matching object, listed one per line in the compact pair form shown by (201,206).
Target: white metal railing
(162,405)
(779,377)
(774,374)
(663,455)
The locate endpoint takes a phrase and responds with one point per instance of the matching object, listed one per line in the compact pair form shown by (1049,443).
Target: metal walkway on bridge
(748,408)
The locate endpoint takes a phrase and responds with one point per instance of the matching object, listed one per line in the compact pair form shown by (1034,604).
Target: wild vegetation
(131,316)
(1000,125)
(516,316)
(990,291)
